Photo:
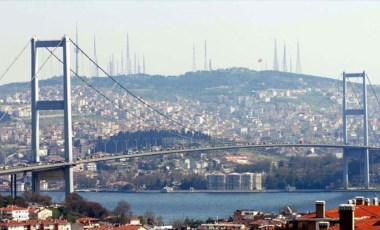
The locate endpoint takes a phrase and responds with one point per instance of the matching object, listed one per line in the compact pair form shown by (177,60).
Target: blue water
(173,206)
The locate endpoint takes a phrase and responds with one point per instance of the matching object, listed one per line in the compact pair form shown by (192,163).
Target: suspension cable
(14,61)
(361,106)
(117,105)
(133,95)
(39,69)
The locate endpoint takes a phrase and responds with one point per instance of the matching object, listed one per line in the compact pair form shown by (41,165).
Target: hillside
(198,85)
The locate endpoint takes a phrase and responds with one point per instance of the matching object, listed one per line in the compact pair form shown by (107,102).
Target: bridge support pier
(358,112)
(13,186)
(345,170)
(35,182)
(69,180)
(64,104)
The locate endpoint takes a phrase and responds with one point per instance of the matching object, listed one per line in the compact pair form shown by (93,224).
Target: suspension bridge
(64,169)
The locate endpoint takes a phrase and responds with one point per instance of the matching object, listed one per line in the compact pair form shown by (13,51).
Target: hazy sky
(334,35)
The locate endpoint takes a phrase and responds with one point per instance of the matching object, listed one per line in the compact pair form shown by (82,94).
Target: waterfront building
(233,181)
(247,181)
(216,181)
(257,181)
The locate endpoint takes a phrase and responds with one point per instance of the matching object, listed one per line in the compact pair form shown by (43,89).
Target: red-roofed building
(358,214)
(40,213)
(14,213)
(88,222)
(35,225)
(130,227)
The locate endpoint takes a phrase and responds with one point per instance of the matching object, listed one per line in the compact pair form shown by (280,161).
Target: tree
(30,196)
(159,221)
(76,205)
(177,224)
(123,212)
(150,217)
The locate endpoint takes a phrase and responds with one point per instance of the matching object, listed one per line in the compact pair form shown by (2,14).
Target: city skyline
(163,33)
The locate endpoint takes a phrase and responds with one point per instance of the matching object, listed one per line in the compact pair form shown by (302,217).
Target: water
(173,206)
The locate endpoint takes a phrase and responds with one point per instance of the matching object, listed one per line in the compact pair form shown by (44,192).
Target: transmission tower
(128,61)
(205,63)
(194,60)
(76,50)
(298,64)
(284,65)
(275,59)
(96,69)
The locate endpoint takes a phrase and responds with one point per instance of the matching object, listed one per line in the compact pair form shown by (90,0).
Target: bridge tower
(64,105)
(362,111)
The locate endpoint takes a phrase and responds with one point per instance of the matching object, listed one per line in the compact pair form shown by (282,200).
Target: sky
(334,36)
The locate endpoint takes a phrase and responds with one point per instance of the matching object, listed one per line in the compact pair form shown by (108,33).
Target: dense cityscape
(208,115)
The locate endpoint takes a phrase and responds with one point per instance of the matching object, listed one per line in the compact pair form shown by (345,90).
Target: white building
(14,213)
(233,181)
(216,181)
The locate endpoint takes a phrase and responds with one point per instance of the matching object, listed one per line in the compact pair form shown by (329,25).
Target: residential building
(216,181)
(14,213)
(233,181)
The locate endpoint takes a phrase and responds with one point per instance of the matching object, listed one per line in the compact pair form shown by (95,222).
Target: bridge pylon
(64,105)
(362,112)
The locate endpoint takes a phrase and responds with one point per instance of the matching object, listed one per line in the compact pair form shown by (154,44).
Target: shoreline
(232,191)
(215,191)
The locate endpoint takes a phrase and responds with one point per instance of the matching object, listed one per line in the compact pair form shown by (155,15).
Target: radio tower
(135,65)
(96,70)
(194,63)
(284,65)
(143,67)
(76,50)
(205,63)
(128,61)
(121,63)
(298,64)
(275,61)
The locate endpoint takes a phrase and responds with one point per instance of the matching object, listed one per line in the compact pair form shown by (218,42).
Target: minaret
(96,69)
(275,59)
(128,61)
(76,50)
(298,64)
(205,63)
(194,60)
(284,65)
(291,66)
(143,67)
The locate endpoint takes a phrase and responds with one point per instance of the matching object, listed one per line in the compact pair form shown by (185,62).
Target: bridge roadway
(54,166)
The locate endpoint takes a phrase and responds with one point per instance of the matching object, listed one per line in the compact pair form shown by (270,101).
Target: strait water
(196,205)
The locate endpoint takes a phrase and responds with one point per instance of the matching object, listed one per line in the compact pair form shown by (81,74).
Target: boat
(167,189)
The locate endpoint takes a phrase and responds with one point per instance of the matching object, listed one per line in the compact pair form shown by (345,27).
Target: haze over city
(333,36)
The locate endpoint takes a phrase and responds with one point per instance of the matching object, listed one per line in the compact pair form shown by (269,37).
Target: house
(135,220)
(223,226)
(130,227)
(40,213)
(14,213)
(35,225)
(88,222)
(358,213)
